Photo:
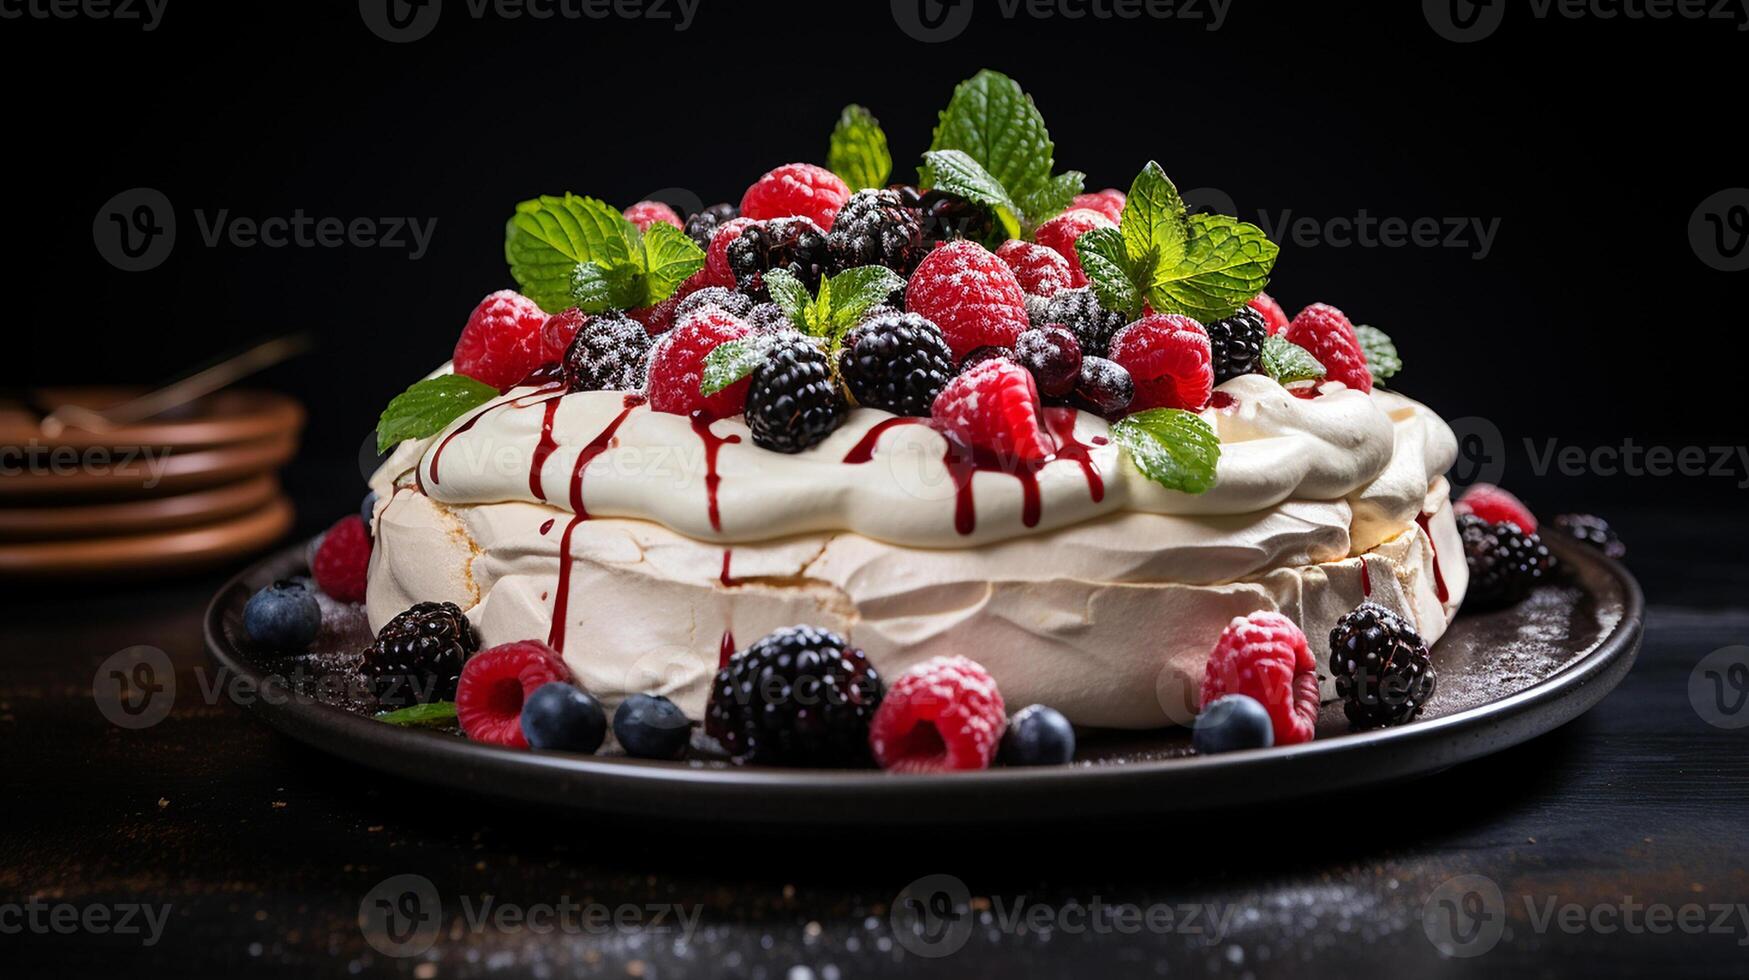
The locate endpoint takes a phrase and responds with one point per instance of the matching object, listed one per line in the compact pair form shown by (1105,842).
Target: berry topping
(983,354)
(1038,736)
(1059,234)
(941,715)
(1324,331)
(1108,202)
(501,344)
(419,655)
(563,718)
(702,226)
(793,402)
(1274,317)
(1236,344)
(768,318)
(1383,671)
(608,354)
(646,213)
(796,190)
(723,298)
(716,258)
(1103,388)
(342,562)
(284,617)
(970,294)
(896,362)
(651,727)
(1053,355)
(1231,723)
(1492,504)
(494,685)
(1594,531)
(1079,310)
(796,245)
(557,333)
(1169,357)
(1040,270)
(1506,562)
(1265,656)
(947,217)
(677,365)
(801,696)
(877,228)
(994,406)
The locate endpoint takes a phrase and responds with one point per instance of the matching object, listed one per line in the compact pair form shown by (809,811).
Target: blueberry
(1038,736)
(1231,723)
(285,616)
(559,716)
(367,509)
(651,727)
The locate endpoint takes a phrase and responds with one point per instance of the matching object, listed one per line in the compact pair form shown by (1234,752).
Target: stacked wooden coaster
(193,486)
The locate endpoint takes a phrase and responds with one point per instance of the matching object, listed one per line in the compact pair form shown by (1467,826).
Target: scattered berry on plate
(1079,310)
(701,226)
(284,617)
(607,354)
(501,343)
(994,406)
(419,655)
(646,213)
(1236,344)
(1060,233)
(651,727)
(1594,531)
(796,245)
(716,257)
(801,696)
(677,365)
(1383,671)
(495,684)
(1053,355)
(1326,333)
(1492,504)
(1038,736)
(877,228)
(564,718)
(796,190)
(1040,270)
(1169,358)
(721,297)
(970,294)
(557,333)
(1109,202)
(1506,562)
(1232,723)
(1103,387)
(943,714)
(792,401)
(1265,656)
(1275,318)
(341,565)
(896,362)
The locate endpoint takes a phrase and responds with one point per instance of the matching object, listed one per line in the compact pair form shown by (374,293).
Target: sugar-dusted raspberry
(494,684)
(994,406)
(943,714)
(646,213)
(1265,656)
(1274,317)
(1109,202)
(501,343)
(796,189)
(1169,358)
(970,294)
(1060,233)
(1040,270)
(557,333)
(717,270)
(1323,330)
(677,364)
(1494,505)
(341,564)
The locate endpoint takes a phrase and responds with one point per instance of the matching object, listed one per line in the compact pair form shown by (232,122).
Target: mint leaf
(790,295)
(429,407)
(547,237)
(731,361)
(854,292)
(436,714)
(669,258)
(1106,262)
(1051,198)
(1224,263)
(1289,362)
(1172,447)
(859,151)
(1154,219)
(1381,354)
(595,288)
(991,120)
(956,172)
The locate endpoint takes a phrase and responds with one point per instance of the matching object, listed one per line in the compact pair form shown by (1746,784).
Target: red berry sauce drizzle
(1365,579)
(701,424)
(545,396)
(726,649)
(1438,576)
(562,596)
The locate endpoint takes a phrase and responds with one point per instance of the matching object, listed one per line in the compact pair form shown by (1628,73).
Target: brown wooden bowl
(139,555)
(52,522)
(127,473)
(222,418)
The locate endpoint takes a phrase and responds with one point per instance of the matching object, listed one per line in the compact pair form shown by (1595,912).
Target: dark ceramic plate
(1504,677)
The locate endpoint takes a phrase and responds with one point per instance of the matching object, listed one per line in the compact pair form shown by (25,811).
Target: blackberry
(793,402)
(608,354)
(1594,531)
(1104,388)
(796,245)
(768,318)
(896,362)
(1053,355)
(1238,344)
(945,216)
(701,225)
(875,227)
(727,300)
(1382,669)
(1079,310)
(418,655)
(1506,562)
(801,696)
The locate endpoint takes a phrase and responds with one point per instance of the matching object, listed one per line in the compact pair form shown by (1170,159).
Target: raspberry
(716,259)
(1264,656)
(941,715)
(1060,234)
(557,333)
(1053,355)
(1594,531)
(1079,310)
(1236,344)
(660,318)
(1108,202)
(896,362)
(501,344)
(646,213)
(1169,357)
(876,228)
(796,245)
(1506,562)
(1103,388)
(994,406)
(792,401)
(342,563)
(1325,332)
(796,190)
(418,656)
(1383,671)
(970,294)
(800,696)
(1492,504)
(677,365)
(1040,271)
(702,226)
(608,354)
(1274,317)
(494,683)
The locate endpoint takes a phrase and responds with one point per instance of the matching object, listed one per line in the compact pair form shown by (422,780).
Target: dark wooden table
(1618,845)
